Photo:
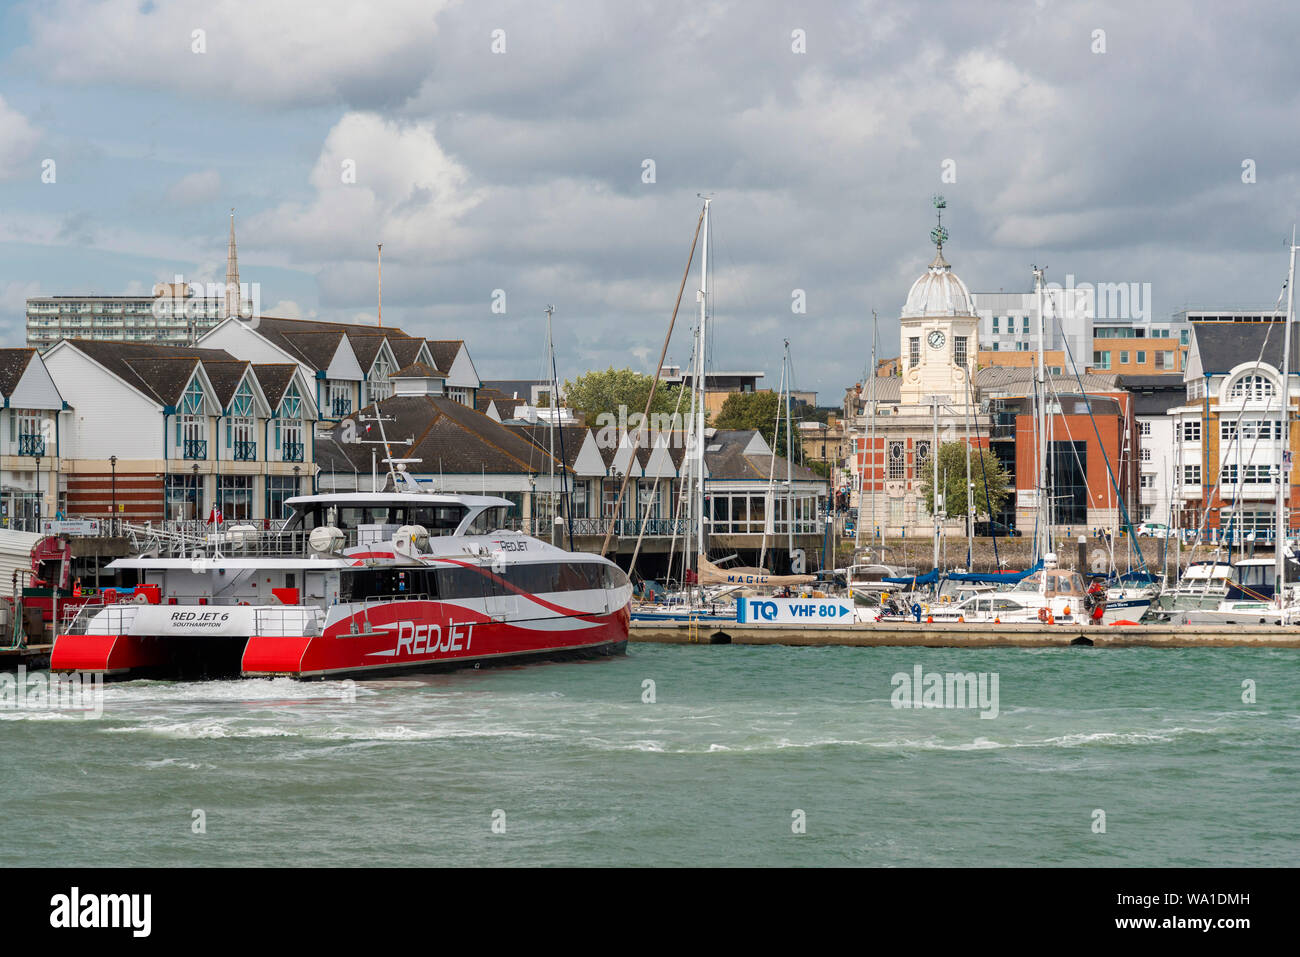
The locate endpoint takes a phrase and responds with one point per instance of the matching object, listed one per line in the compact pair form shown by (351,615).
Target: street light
(112,459)
(38,493)
(195,469)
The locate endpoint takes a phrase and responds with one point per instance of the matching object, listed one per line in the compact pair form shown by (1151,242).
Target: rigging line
(654,496)
(604,547)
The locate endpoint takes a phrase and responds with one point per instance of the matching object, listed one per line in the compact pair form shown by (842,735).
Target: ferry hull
(403,637)
(401,644)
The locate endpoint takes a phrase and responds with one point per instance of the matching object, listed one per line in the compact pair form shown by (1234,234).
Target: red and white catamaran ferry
(356,584)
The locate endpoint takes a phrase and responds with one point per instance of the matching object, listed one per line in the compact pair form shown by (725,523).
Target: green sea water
(745,756)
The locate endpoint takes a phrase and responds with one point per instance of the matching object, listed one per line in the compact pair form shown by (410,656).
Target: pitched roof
(225,376)
(444,351)
(449,438)
(416,370)
(566,440)
(156,369)
(13,363)
(1222,346)
(724,455)
(405,349)
(274,378)
(315,342)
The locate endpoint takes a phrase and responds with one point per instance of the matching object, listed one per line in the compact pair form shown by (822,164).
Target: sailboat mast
(789,456)
(1284,460)
(1044,543)
(699,382)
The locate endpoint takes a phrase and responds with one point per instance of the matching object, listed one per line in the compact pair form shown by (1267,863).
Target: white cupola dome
(938,292)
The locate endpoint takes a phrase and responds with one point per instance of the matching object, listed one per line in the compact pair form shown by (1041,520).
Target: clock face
(936,339)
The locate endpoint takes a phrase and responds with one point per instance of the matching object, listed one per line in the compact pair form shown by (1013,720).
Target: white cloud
(376,180)
(196,188)
(18,138)
(290,52)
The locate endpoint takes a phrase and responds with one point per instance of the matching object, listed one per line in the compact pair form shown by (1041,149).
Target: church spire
(232,274)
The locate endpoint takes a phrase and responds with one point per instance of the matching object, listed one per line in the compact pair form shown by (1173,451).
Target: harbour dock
(29,656)
(970,635)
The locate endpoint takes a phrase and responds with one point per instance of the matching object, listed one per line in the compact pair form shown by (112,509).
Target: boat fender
(1042,615)
(961,618)
(929,620)
(1066,610)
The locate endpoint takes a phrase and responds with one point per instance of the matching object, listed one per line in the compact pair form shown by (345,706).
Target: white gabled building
(32,425)
(173,432)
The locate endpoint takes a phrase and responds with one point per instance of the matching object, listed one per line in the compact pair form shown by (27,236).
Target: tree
(984,468)
(754,410)
(599,393)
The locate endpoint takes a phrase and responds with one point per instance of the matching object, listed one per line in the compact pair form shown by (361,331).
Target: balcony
(31,445)
(340,408)
(245,451)
(194,449)
(291,452)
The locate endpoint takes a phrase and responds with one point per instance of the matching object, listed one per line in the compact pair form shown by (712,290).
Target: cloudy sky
(503,145)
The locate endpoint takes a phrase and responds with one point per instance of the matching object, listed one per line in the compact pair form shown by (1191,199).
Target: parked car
(989,529)
(1154,530)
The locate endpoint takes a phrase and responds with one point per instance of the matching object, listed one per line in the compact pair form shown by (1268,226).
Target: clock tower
(938,333)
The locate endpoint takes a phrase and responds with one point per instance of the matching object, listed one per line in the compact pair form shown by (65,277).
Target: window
(922,457)
(995,347)
(1144,455)
(896,511)
(191,423)
(1191,430)
(29,438)
(1024,326)
(1191,475)
(1101,360)
(1196,389)
(1246,475)
(1164,360)
(1183,337)
(289,427)
(236,497)
(995,325)
(1250,429)
(1147,480)
(338,399)
(1252,387)
(959,351)
(379,386)
(914,351)
(1144,428)
(279,489)
(897,462)
(1141,358)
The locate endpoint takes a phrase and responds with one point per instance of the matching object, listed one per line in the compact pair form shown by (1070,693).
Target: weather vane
(939,235)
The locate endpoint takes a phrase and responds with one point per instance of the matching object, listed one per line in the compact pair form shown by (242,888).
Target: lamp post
(38,493)
(112,460)
(195,469)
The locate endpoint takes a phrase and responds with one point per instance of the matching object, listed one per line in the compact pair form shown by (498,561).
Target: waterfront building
(170,432)
(895,419)
(1153,397)
(32,426)
(1228,430)
(349,365)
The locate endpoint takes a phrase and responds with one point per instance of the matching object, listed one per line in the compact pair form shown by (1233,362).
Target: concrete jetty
(970,635)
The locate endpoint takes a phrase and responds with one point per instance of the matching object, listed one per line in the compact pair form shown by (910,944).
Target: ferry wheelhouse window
(489,520)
